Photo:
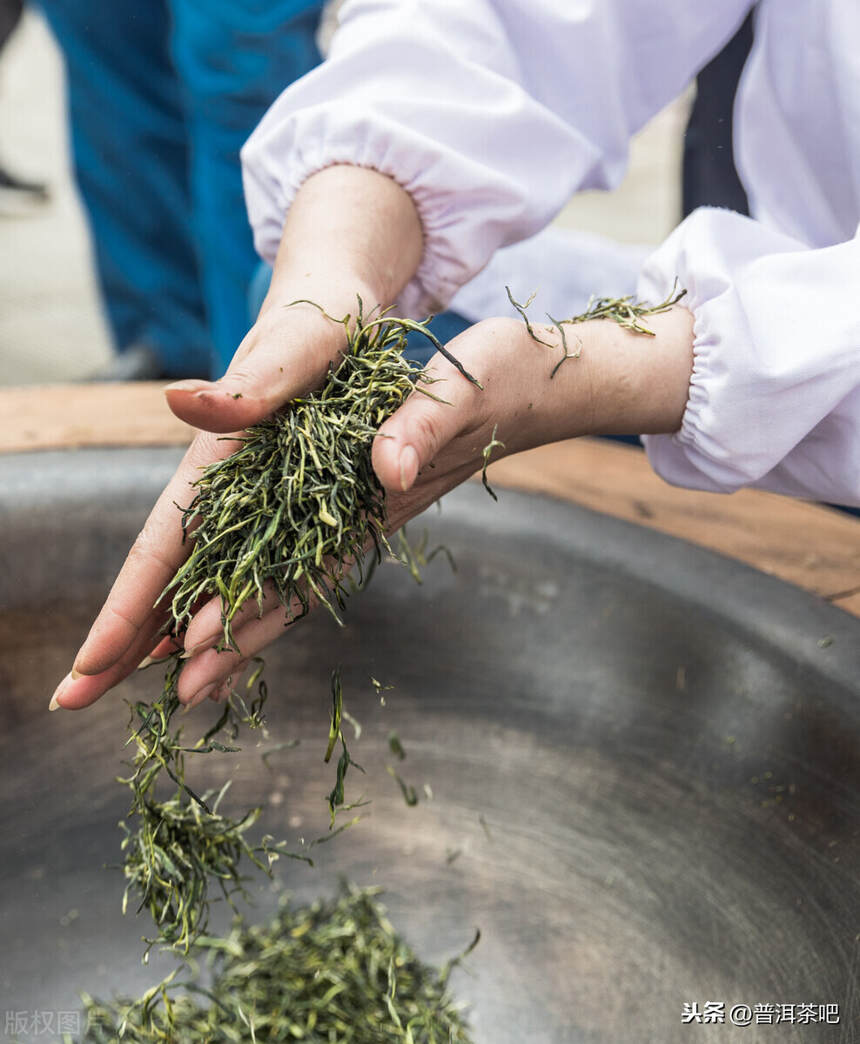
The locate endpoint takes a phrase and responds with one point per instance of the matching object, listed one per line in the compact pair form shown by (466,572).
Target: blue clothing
(162,95)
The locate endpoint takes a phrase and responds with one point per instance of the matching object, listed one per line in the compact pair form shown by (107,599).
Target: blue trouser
(162,94)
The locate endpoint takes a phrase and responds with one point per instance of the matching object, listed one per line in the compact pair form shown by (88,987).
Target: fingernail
(189,386)
(75,675)
(145,662)
(408,467)
(60,689)
(200,647)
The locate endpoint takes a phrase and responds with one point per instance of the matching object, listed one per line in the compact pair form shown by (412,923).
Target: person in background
(16,189)
(162,95)
(435,135)
(709,177)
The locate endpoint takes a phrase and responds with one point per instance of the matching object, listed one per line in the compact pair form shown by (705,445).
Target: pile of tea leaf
(332,971)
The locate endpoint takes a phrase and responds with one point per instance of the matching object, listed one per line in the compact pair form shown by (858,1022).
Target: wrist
(641,384)
(618,382)
(623,383)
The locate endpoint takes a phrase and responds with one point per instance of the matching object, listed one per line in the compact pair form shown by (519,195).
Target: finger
(212,666)
(206,670)
(166,647)
(420,429)
(218,691)
(282,357)
(205,693)
(206,627)
(230,683)
(403,507)
(75,693)
(156,554)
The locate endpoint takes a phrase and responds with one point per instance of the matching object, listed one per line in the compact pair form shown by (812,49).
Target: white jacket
(491,113)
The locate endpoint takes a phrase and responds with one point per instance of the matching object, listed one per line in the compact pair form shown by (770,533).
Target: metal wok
(642,765)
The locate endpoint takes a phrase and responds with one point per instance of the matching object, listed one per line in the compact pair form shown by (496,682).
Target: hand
(349,231)
(622,382)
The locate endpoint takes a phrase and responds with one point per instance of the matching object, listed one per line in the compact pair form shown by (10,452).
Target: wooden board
(65,416)
(814,547)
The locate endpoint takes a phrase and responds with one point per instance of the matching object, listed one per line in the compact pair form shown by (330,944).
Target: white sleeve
(490,113)
(775,393)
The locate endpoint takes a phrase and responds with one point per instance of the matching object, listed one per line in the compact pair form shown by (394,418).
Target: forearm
(621,382)
(349,231)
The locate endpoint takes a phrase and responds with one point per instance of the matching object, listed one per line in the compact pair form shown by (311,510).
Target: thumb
(284,355)
(420,429)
